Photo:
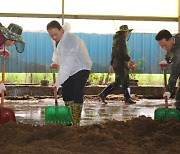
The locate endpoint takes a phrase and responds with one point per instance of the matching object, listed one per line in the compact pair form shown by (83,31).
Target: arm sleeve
(54,56)
(123,52)
(175,73)
(112,54)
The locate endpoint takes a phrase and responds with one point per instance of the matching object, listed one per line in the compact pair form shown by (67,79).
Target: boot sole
(127,103)
(102,100)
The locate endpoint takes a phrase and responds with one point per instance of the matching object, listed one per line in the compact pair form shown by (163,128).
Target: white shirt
(71,55)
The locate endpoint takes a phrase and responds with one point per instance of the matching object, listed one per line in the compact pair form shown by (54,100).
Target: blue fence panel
(99,47)
(144,47)
(38,52)
(37,55)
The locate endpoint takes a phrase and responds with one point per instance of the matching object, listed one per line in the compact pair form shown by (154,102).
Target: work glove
(54,66)
(131,64)
(167,95)
(111,69)
(4,53)
(163,64)
(54,87)
(2,87)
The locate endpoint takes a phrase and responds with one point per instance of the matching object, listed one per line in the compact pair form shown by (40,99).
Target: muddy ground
(140,135)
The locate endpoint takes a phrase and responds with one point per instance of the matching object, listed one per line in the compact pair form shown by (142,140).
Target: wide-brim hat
(13,32)
(124,28)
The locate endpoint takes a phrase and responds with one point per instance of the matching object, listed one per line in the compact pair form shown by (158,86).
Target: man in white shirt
(72,57)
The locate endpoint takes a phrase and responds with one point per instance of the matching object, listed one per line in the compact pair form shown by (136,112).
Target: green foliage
(25,78)
(94,78)
(97,78)
(137,70)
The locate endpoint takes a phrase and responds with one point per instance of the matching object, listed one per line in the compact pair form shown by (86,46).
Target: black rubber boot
(105,92)
(177,103)
(127,98)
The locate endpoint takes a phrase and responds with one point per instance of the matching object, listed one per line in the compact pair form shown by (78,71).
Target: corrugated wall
(38,52)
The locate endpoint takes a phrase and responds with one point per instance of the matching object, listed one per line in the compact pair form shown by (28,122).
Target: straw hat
(13,32)
(124,28)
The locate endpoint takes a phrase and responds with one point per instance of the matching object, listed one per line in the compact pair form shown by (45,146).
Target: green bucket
(58,114)
(166,113)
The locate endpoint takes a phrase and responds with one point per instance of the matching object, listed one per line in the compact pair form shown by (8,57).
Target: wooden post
(178,16)
(62,12)
(3,79)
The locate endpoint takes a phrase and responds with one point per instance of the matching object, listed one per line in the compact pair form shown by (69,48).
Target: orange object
(54,66)
(6,114)
(163,66)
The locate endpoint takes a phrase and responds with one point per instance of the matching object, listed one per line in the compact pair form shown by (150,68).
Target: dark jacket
(175,64)
(119,54)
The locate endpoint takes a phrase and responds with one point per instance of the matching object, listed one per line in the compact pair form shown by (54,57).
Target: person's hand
(54,87)
(167,95)
(4,53)
(2,87)
(131,64)
(54,66)
(163,64)
(111,69)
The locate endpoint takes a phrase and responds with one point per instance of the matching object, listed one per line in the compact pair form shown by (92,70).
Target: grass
(143,79)
(94,78)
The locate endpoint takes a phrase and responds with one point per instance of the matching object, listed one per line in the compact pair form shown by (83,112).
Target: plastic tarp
(163,8)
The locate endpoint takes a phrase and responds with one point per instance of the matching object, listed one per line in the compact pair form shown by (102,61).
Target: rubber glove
(131,64)
(2,87)
(163,64)
(111,69)
(54,66)
(54,87)
(4,53)
(167,95)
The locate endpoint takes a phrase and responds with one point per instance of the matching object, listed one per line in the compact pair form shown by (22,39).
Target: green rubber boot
(76,113)
(76,109)
(70,104)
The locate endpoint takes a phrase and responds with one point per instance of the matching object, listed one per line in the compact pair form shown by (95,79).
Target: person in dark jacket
(120,64)
(172,45)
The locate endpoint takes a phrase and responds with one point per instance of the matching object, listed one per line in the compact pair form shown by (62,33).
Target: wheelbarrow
(58,114)
(6,114)
(166,113)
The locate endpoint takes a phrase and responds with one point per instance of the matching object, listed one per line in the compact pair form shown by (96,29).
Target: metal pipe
(178,16)
(62,12)
(87,16)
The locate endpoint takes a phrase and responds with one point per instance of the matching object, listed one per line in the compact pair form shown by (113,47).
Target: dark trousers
(73,87)
(177,97)
(121,77)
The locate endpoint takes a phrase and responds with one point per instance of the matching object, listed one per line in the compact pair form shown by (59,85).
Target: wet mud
(105,129)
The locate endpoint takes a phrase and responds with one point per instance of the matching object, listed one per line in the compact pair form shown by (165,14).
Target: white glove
(167,94)
(163,62)
(2,87)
